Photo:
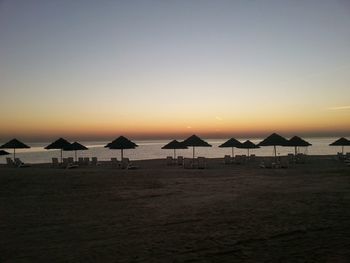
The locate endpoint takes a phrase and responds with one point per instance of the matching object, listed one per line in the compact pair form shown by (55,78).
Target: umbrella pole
(295,150)
(122,154)
(174,153)
(342,149)
(61,155)
(248,152)
(75,155)
(274,147)
(193,152)
(232,152)
(14,153)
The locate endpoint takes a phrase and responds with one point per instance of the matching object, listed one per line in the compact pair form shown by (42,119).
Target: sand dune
(168,214)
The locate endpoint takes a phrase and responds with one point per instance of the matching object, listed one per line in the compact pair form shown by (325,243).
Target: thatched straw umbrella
(231,143)
(173,145)
(122,144)
(14,144)
(59,144)
(274,140)
(248,145)
(341,142)
(298,142)
(194,141)
(75,146)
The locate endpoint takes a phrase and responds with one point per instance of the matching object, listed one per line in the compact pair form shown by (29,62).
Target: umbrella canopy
(121,143)
(341,142)
(75,146)
(195,141)
(173,145)
(59,144)
(2,152)
(248,145)
(274,140)
(14,144)
(231,143)
(298,142)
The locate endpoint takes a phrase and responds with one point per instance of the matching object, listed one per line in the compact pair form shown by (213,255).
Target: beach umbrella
(194,141)
(59,144)
(75,146)
(2,152)
(298,142)
(231,143)
(173,145)
(341,142)
(121,143)
(248,145)
(274,140)
(14,144)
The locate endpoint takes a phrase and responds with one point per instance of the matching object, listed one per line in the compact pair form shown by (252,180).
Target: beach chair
(21,164)
(202,164)
(252,157)
(68,165)
(86,160)
(227,159)
(114,162)
(284,162)
(244,159)
(126,164)
(70,160)
(10,162)
(300,158)
(94,161)
(238,159)
(291,158)
(187,163)
(81,161)
(180,160)
(55,162)
(169,160)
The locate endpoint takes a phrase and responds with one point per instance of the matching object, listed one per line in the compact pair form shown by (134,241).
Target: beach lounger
(94,161)
(114,162)
(252,157)
(21,164)
(169,160)
(68,165)
(284,162)
(238,159)
(202,164)
(86,160)
(10,162)
(55,162)
(126,164)
(180,160)
(70,160)
(227,159)
(81,161)
(187,163)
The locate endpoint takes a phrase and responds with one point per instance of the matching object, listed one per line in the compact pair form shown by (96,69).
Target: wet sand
(226,213)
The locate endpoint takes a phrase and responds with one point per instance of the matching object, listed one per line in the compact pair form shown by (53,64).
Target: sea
(151,149)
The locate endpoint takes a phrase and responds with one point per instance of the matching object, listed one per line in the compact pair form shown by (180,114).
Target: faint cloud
(218,118)
(189,127)
(340,108)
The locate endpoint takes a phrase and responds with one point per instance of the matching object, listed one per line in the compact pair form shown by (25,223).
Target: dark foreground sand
(168,214)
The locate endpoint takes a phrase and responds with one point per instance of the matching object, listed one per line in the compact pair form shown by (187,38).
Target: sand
(226,213)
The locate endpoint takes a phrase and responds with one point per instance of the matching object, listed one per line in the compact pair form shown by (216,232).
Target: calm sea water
(152,150)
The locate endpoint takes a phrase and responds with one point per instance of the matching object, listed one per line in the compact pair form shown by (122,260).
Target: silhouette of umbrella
(75,146)
(341,142)
(14,144)
(2,152)
(274,140)
(121,143)
(59,144)
(231,143)
(248,145)
(195,141)
(298,142)
(173,145)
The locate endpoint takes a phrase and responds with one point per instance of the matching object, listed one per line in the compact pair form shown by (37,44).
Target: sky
(165,69)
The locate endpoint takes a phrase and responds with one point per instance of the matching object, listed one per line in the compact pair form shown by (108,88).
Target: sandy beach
(159,213)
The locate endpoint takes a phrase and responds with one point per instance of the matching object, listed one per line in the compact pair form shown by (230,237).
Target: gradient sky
(98,69)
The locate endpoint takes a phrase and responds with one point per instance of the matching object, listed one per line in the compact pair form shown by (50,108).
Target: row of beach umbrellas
(193,141)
